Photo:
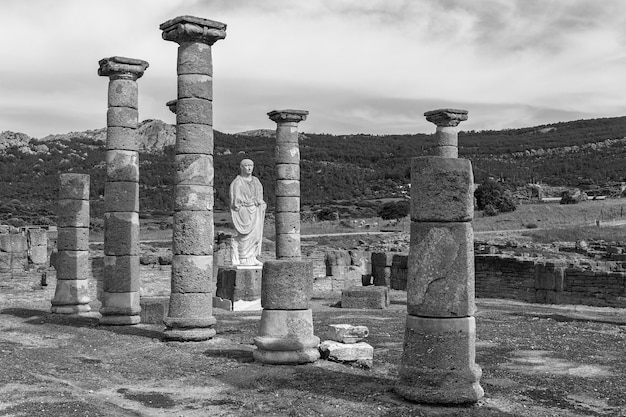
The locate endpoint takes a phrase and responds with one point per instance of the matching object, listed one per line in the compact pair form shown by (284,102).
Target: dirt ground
(537,361)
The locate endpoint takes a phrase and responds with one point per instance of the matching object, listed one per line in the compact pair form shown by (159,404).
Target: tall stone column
(287,208)
(72,265)
(447,132)
(285,333)
(121,281)
(190,316)
(438,360)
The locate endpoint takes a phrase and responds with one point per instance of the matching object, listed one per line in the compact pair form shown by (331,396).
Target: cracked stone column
(121,281)
(287,208)
(447,134)
(438,360)
(72,265)
(285,333)
(190,316)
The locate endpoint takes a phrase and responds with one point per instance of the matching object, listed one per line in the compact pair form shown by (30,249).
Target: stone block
(37,237)
(337,258)
(122,93)
(447,136)
(287,153)
(72,213)
(545,278)
(74,187)
(383,258)
(5,261)
(194,139)
(286,330)
(440,280)
(192,274)
(546,296)
(438,361)
(193,233)
(288,204)
(286,285)
(445,151)
(381,275)
(72,265)
(287,133)
(121,196)
(360,354)
(239,283)
(122,165)
(286,357)
(124,138)
(442,190)
(400,261)
(287,188)
(122,117)
(398,279)
(71,292)
(194,111)
(13,242)
(73,238)
(194,58)
(288,246)
(153,309)
(38,255)
(365,297)
(287,222)
(193,198)
(120,304)
(195,86)
(347,333)
(121,273)
(190,310)
(121,233)
(193,169)
(288,172)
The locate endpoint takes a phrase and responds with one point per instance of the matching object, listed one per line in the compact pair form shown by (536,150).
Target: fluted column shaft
(121,281)
(190,316)
(72,265)
(287,159)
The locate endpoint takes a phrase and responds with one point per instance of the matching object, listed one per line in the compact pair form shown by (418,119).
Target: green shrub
(394,210)
(492,193)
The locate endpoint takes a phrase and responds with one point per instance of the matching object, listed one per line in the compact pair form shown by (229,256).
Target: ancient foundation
(438,359)
(286,330)
(190,315)
(72,264)
(120,299)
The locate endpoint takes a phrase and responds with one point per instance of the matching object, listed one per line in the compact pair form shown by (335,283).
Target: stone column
(190,316)
(286,329)
(120,299)
(447,133)
(72,263)
(438,360)
(287,208)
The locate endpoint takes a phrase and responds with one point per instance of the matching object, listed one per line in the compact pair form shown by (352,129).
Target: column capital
(446,117)
(193,29)
(121,67)
(288,115)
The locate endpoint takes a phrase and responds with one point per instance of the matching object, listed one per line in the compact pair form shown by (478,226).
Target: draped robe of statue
(248,212)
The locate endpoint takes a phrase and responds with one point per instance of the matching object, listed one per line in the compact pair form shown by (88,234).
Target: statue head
(246,166)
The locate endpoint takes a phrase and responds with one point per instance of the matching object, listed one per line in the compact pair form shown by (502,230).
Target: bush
(326,213)
(490,210)
(394,210)
(492,193)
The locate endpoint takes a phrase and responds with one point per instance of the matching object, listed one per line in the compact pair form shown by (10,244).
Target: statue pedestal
(239,288)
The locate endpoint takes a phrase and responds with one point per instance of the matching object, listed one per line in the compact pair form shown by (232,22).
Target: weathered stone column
(120,299)
(286,329)
(447,133)
(438,360)
(72,265)
(287,208)
(190,316)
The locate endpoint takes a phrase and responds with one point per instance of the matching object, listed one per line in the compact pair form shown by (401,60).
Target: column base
(120,320)
(289,357)
(188,335)
(438,361)
(70,309)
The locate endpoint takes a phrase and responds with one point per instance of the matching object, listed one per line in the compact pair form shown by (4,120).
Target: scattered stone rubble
(346,346)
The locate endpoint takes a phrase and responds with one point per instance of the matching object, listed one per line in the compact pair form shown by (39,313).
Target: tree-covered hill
(349,167)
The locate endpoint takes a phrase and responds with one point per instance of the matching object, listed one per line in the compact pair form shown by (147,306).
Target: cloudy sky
(358,66)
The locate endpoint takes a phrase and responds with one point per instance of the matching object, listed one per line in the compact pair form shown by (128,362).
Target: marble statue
(248,212)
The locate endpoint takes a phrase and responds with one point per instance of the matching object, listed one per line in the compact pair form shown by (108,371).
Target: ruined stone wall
(504,277)
(21,249)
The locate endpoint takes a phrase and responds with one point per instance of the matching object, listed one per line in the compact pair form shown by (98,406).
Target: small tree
(492,193)
(394,210)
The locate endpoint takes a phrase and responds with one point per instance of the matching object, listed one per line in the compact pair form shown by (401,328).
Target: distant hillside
(347,167)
